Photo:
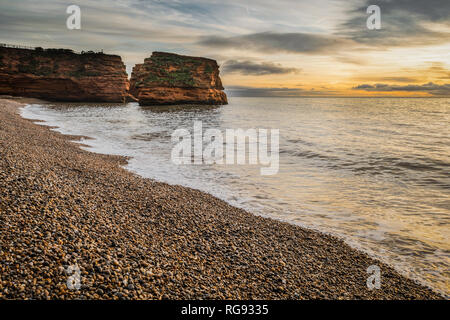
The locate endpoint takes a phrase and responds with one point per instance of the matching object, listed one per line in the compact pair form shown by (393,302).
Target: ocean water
(375,172)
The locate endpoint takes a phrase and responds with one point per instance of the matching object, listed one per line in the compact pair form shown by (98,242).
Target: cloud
(431,88)
(247,91)
(403,23)
(271,42)
(44,23)
(359,60)
(432,10)
(438,70)
(430,71)
(402,79)
(255,69)
(244,91)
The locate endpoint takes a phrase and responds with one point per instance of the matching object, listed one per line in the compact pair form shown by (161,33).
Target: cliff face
(61,75)
(167,78)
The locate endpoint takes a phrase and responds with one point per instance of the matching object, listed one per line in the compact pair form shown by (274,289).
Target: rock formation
(167,78)
(62,75)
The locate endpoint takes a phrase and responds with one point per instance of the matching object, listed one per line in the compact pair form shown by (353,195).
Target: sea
(372,171)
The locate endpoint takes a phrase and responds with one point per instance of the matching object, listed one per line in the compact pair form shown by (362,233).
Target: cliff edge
(62,75)
(168,78)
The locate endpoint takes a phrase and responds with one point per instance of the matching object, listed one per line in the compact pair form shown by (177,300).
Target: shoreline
(136,238)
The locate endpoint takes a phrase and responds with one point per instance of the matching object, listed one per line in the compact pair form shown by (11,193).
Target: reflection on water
(373,171)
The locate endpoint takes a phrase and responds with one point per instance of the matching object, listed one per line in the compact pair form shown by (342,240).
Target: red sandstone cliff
(61,75)
(167,78)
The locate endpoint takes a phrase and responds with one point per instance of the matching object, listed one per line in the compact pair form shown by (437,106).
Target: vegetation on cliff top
(47,62)
(173,70)
(46,67)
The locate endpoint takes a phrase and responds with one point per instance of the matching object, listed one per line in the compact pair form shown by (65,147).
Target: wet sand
(135,238)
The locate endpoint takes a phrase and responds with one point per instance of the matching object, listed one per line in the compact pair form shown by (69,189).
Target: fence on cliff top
(6,45)
(15,46)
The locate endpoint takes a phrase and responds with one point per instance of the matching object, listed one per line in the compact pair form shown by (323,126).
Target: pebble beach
(64,209)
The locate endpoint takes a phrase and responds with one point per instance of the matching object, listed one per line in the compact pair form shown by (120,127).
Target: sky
(264,48)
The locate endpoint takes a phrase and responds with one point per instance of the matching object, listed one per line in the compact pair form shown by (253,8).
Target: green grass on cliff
(174,60)
(181,77)
(46,66)
(33,66)
(177,78)
(47,62)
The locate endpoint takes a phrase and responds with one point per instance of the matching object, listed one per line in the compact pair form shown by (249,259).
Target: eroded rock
(167,78)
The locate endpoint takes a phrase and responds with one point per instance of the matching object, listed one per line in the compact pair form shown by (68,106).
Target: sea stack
(170,79)
(62,75)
